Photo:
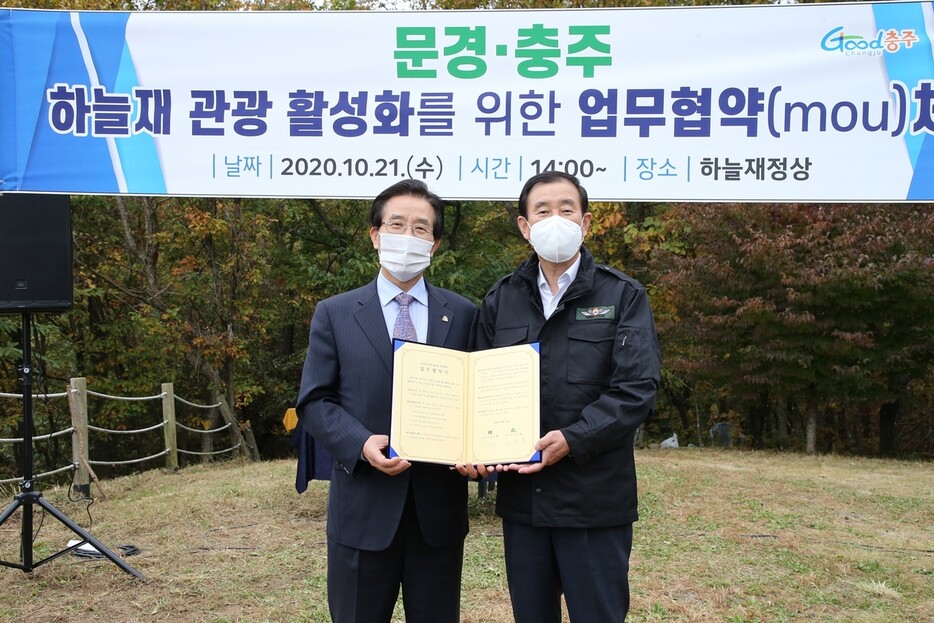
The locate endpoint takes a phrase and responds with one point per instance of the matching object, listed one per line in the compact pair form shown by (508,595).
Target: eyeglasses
(419,230)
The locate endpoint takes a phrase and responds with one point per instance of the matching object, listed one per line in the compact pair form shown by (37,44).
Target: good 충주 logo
(857,45)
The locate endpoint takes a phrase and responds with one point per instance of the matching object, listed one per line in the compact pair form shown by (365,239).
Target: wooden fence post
(168,416)
(78,405)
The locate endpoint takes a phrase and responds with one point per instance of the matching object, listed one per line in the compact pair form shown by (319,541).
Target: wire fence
(82,463)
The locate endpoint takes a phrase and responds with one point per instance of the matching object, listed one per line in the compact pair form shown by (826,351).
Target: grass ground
(732,537)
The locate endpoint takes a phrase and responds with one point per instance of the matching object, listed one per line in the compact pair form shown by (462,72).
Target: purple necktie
(404,328)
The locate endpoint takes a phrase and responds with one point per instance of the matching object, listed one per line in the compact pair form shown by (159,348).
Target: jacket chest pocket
(510,336)
(590,352)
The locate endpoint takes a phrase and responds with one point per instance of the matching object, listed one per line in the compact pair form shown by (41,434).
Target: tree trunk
(888,427)
(756,417)
(214,380)
(811,427)
(700,435)
(679,400)
(207,441)
(781,423)
(252,446)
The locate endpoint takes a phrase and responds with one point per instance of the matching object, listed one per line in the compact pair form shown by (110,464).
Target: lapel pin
(444,318)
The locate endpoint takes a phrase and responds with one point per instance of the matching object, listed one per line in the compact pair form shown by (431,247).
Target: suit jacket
(345,397)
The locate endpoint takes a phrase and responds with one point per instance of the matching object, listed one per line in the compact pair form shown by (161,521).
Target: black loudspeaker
(35,253)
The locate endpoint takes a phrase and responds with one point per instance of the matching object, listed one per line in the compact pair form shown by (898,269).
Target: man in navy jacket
(567,521)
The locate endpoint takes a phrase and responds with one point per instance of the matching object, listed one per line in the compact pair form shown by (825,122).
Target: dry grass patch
(725,536)
(737,537)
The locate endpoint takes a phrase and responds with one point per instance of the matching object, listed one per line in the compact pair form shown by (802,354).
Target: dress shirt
(550,301)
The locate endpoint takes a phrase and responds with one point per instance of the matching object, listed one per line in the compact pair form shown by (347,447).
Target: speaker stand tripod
(30,497)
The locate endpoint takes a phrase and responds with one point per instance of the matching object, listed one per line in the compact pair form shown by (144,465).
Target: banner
(814,102)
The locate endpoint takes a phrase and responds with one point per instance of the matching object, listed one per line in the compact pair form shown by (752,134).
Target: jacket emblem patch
(596,313)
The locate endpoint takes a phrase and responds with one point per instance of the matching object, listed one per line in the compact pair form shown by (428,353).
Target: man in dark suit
(391,523)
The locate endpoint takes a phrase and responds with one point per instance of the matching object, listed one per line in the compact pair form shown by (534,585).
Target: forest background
(804,327)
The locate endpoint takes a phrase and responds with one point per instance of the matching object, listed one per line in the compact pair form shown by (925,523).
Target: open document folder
(453,407)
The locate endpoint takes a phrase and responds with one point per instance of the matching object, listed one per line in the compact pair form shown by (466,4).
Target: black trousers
(363,586)
(589,566)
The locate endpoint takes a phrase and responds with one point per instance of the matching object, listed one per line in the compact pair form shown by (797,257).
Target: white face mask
(556,239)
(405,257)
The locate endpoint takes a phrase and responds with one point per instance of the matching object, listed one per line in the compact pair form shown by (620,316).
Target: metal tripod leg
(26,501)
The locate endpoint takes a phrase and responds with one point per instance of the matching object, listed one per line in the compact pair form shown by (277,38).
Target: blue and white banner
(814,102)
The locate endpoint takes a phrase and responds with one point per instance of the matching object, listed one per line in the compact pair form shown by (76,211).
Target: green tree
(819,305)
